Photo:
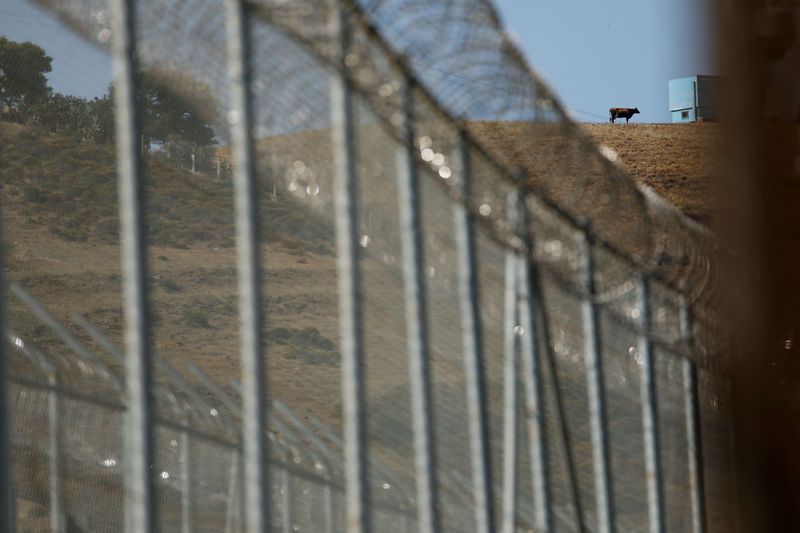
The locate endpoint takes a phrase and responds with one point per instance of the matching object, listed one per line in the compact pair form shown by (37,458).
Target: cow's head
(635,110)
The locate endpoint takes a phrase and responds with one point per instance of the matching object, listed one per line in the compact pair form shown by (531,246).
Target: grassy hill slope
(680,161)
(61,228)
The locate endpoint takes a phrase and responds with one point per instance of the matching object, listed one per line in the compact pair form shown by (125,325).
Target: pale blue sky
(595,54)
(598,54)
(79,68)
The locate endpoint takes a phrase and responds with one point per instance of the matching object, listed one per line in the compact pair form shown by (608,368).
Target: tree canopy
(167,115)
(175,110)
(22,80)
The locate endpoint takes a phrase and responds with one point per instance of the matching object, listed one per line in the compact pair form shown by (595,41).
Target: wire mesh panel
(373,297)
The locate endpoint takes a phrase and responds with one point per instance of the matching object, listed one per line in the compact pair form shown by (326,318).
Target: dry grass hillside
(679,161)
(61,230)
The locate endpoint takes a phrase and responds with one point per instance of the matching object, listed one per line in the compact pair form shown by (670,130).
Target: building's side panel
(682,99)
(708,92)
(681,93)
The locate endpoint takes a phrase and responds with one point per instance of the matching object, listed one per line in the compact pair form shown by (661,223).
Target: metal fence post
(286,500)
(254,406)
(650,431)
(529,298)
(139,448)
(692,415)
(6,494)
(510,344)
(187,492)
(54,429)
(233,506)
(343,121)
(472,349)
(594,384)
(416,322)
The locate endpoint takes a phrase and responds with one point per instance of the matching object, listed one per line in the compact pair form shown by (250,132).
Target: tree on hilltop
(22,80)
(169,116)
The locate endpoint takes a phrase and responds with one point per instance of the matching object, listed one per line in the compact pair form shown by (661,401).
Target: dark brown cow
(619,112)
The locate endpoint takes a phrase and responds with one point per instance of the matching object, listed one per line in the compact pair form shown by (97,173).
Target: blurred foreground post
(343,125)
(139,450)
(758,40)
(254,403)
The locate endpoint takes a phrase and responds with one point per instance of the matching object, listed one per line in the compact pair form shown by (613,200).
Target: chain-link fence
(465,315)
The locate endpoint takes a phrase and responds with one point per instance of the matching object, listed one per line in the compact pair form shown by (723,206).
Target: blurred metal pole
(594,385)
(139,451)
(510,344)
(416,322)
(473,356)
(187,492)
(652,452)
(54,451)
(532,338)
(254,406)
(343,121)
(8,519)
(286,500)
(692,415)
(234,501)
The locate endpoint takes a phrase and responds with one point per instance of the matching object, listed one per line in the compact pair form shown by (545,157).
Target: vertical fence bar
(594,385)
(254,406)
(529,296)
(510,325)
(139,447)
(7,515)
(286,500)
(652,456)
(187,493)
(473,356)
(692,415)
(234,500)
(54,430)
(346,207)
(416,322)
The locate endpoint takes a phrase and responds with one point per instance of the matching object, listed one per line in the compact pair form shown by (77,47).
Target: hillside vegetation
(60,218)
(61,230)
